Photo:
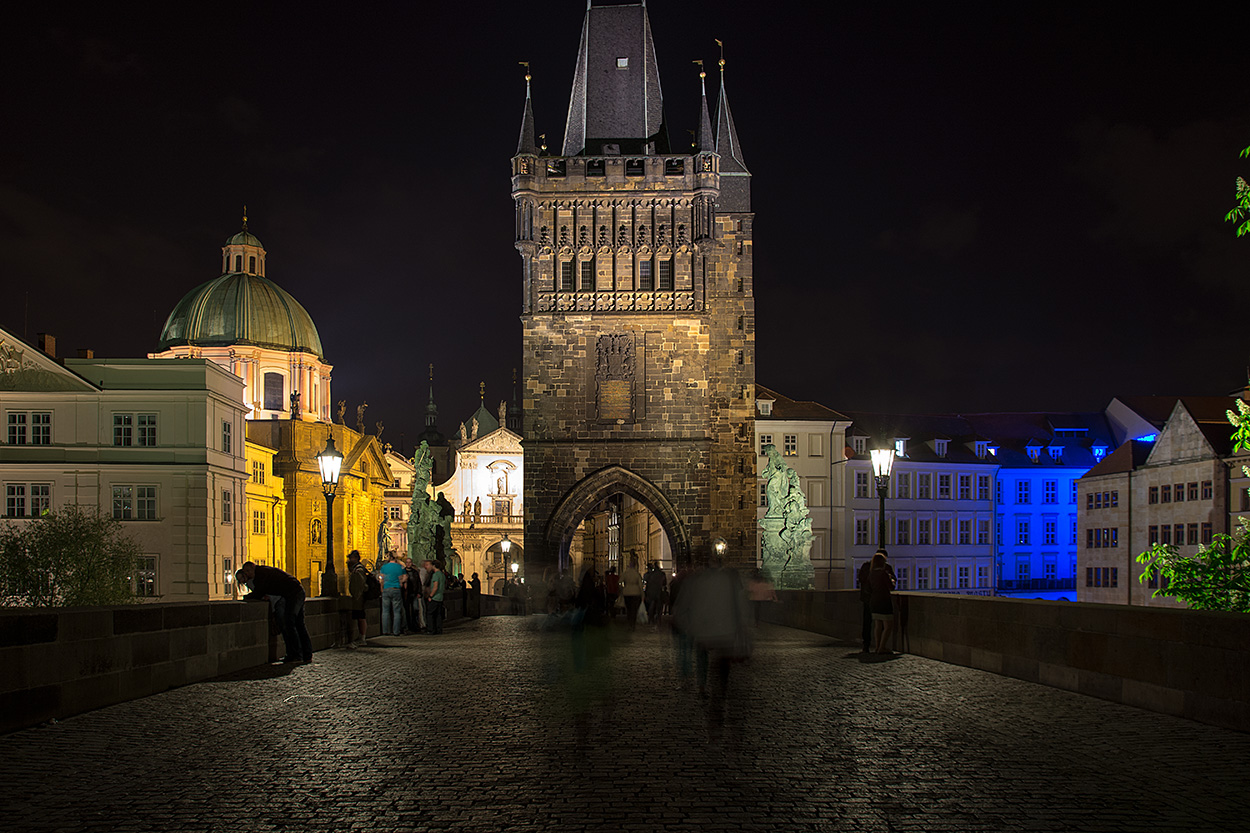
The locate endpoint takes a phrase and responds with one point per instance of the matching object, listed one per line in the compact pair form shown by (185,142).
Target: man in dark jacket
(270,581)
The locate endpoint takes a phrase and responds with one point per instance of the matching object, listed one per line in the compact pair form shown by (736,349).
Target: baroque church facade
(638,314)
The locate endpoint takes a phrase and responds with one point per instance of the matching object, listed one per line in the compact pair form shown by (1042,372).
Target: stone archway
(591,490)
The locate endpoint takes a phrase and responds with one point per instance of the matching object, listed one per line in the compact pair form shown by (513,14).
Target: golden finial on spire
(245,218)
(514,375)
(722,53)
(431,371)
(702,74)
(526,64)
(542,142)
(694,140)
(481,392)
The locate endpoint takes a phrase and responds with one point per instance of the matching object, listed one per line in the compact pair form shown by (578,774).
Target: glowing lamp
(882,461)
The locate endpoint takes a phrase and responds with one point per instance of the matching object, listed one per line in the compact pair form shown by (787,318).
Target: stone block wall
(1186,663)
(64,661)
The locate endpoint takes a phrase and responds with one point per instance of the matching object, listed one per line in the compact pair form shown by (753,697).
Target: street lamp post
(330,461)
(882,462)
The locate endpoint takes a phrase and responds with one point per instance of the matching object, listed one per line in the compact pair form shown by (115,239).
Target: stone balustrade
(1188,663)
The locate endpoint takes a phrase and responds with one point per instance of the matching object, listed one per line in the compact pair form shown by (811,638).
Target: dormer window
(900,446)
(982,448)
(1034,452)
(1056,452)
(765,406)
(939,447)
(1100,451)
(860,444)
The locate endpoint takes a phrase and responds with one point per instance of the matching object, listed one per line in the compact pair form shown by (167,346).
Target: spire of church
(616,105)
(526,143)
(431,410)
(514,410)
(735,178)
(706,140)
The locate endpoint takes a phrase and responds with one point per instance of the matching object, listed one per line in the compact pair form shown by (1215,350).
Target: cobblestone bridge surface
(490,727)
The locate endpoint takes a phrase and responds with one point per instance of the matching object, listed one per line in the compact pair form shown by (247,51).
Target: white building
(156,443)
(812,439)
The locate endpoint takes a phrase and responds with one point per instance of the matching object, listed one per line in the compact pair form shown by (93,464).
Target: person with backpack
(358,581)
(393,580)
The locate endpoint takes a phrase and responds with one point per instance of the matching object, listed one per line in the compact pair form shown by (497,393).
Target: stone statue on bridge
(429,521)
(787,526)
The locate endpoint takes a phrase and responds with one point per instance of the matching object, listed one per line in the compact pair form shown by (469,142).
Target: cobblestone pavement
(490,728)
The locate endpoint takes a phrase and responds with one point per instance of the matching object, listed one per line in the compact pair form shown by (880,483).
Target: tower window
(566,276)
(634,167)
(646,282)
(274,388)
(588,276)
(666,276)
(594,167)
(674,167)
(238,263)
(251,264)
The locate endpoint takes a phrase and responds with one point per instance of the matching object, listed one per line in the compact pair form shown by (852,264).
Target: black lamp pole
(330,461)
(882,463)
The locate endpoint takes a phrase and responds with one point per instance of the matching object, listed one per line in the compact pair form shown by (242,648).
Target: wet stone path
(495,726)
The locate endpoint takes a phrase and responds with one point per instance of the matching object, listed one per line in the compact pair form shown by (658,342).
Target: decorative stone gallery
(637,310)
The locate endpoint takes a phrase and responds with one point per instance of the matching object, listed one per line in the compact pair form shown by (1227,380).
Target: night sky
(959,207)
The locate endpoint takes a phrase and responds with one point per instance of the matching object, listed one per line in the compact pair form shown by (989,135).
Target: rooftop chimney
(86,353)
(47,343)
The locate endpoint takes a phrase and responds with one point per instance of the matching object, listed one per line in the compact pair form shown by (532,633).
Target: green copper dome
(238,308)
(244,238)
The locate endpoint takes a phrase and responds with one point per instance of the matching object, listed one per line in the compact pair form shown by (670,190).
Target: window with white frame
(965,531)
(983,532)
(944,487)
(922,578)
(982,447)
(227,437)
(1022,491)
(1072,535)
(983,576)
(227,507)
(983,487)
(396,513)
(1049,532)
(1072,496)
(861,531)
(123,430)
(765,439)
(859,444)
(134,503)
(144,582)
(923,490)
(39,424)
(1050,491)
(965,487)
(902,485)
(861,484)
(944,578)
(1056,452)
(1022,570)
(147,430)
(902,535)
(27,500)
(258,472)
(1022,531)
(17,428)
(258,521)
(145,503)
(900,579)
(924,528)
(790,445)
(940,446)
(1050,571)
(944,531)
(965,577)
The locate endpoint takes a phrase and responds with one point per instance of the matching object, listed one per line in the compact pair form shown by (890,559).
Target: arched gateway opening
(608,490)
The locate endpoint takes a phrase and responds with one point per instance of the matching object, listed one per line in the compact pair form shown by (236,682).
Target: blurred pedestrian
(656,585)
(611,590)
(434,597)
(357,581)
(631,589)
(760,591)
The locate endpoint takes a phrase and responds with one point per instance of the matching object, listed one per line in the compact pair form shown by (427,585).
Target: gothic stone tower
(638,318)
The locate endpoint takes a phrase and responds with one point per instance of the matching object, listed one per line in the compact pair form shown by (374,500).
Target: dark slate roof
(611,104)
(786,408)
(1153,409)
(735,179)
(526,143)
(920,430)
(706,139)
(1125,458)
(1014,433)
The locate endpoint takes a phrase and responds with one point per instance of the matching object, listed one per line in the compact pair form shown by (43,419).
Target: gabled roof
(786,408)
(24,367)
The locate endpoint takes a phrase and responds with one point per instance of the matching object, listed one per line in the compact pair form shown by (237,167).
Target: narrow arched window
(238,263)
(251,264)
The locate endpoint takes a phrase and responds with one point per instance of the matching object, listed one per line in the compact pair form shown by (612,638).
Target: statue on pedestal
(787,526)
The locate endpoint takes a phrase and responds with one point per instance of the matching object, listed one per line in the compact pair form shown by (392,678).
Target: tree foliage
(72,557)
(1240,213)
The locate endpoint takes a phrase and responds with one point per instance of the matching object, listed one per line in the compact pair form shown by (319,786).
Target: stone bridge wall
(58,662)
(1188,663)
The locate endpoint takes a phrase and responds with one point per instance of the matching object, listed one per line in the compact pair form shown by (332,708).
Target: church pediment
(501,441)
(25,368)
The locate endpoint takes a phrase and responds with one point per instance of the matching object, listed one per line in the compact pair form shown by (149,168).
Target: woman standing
(880,586)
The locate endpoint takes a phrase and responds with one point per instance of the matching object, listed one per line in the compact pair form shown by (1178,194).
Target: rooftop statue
(787,526)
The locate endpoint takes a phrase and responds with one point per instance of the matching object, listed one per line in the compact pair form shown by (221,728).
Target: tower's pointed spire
(705,142)
(526,143)
(616,105)
(735,178)
(431,410)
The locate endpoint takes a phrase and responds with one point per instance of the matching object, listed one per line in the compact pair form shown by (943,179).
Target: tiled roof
(1125,458)
(786,408)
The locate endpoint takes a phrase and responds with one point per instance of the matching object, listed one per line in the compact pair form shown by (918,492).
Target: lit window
(790,444)
(900,447)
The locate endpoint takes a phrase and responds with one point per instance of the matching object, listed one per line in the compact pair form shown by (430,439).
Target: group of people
(606,594)
(876,587)
(412,596)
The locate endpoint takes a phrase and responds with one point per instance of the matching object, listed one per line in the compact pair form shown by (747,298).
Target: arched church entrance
(497,565)
(611,516)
